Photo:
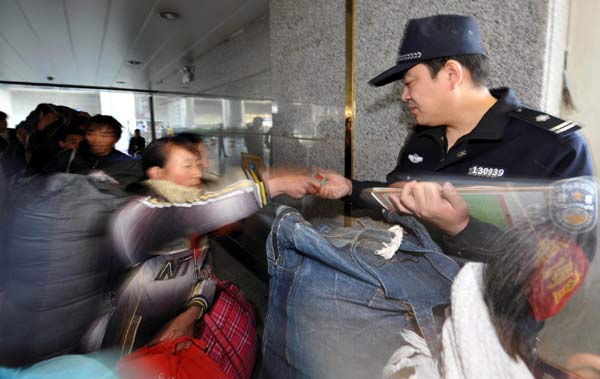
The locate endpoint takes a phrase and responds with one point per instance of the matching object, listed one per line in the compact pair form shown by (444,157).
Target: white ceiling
(89,42)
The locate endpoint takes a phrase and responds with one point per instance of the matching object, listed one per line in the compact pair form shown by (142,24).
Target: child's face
(182,167)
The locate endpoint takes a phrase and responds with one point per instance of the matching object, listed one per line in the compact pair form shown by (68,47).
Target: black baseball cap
(430,38)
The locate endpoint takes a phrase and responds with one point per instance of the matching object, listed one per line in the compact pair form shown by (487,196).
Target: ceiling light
(169,15)
(134,62)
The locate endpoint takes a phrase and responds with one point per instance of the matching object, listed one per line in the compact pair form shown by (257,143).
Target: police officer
(464,129)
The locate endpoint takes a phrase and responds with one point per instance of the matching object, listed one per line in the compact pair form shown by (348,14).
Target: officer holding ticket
(463,128)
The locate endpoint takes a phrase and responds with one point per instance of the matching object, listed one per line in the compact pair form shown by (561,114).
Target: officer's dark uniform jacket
(510,142)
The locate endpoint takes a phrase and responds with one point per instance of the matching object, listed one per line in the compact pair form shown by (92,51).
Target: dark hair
(157,152)
(33,117)
(62,136)
(67,113)
(477,64)
(80,120)
(101,121)
(508,281)
(46,108)
(192,137)
(3,116)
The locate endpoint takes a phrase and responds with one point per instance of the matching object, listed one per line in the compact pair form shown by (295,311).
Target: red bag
(229,333)
(162,361)
(225,348)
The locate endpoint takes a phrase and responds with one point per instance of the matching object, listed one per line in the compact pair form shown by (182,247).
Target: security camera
(187,73)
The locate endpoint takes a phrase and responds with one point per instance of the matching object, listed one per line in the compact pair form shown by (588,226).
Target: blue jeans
(336,309)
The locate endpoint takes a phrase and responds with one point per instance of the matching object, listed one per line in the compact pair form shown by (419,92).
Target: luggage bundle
(337,309)
(225,346)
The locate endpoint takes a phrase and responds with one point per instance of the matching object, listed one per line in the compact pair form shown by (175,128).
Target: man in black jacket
(97,151)
(137,143)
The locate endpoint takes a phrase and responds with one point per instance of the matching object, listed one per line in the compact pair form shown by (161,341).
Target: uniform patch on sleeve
(575,205)
(545,121)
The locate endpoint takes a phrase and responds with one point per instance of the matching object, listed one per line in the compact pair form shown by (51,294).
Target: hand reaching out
(336,186)
(299,182)
(294,185)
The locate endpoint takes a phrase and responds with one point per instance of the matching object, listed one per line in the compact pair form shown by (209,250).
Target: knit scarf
(471,349)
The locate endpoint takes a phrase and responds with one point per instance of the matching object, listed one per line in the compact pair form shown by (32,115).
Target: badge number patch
(486,172)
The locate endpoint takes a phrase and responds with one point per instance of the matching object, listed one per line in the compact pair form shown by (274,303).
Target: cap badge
(415,158)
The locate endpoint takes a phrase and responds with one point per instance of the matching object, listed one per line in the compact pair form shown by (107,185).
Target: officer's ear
(455,72)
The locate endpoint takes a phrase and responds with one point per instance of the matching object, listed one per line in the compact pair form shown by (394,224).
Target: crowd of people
(55,176)
(55,138)
(464,131)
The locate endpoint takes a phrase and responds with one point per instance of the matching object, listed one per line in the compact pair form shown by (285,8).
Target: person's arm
(573,158)
(478,241)
(148,223)
(360,199)
(442,207)
(183,324)
(295,186)
(337,186)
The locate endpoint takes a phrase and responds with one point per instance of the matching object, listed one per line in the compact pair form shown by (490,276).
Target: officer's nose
(405,93)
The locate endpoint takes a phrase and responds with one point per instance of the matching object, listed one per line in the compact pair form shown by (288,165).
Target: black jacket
(82,161)
(136,145)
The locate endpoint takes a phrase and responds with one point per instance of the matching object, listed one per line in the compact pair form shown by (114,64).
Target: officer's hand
(397,184)
(292,181)
(334,185)
(434,204)
(295,186)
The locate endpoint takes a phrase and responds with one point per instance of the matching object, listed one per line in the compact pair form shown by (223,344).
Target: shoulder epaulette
(545,121)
